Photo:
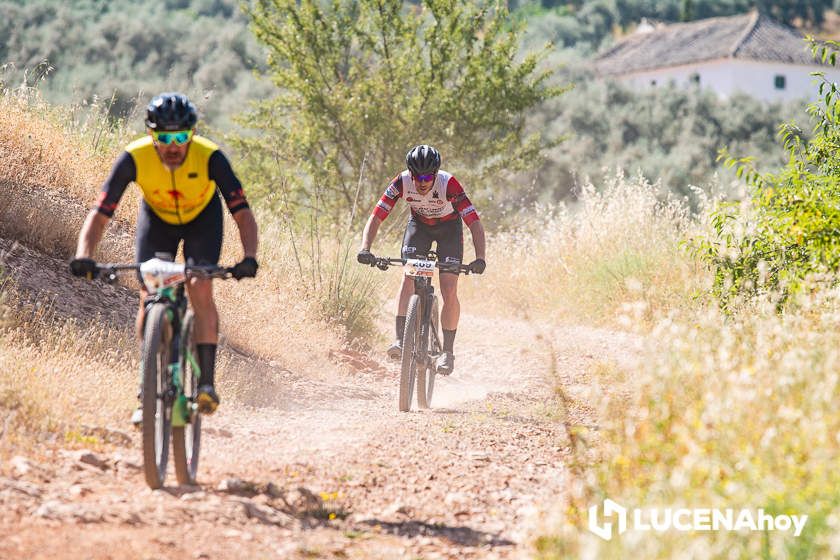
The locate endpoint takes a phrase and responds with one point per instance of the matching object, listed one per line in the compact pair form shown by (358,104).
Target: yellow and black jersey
(175,196)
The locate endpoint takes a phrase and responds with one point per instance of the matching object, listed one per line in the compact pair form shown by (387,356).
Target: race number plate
(418,267)
(159,274)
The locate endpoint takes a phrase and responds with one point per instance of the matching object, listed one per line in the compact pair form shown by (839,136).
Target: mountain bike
(170,367)
(422,340)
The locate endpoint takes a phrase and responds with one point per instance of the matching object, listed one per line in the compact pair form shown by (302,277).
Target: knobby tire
(157,410)
(409,351)
(186,440)
(426,372)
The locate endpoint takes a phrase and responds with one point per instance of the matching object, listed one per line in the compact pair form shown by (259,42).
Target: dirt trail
(331,468)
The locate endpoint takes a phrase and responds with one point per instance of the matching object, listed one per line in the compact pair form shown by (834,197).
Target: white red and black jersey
(445,201)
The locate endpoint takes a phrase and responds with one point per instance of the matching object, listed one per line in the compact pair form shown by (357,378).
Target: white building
(748,53)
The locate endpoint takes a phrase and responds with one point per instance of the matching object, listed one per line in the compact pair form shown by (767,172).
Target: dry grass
(583,263)
(726,412)
(273,316)
(54,162)
(57,376)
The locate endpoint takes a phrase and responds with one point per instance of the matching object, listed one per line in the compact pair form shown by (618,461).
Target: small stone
(265,514)
(455,499)
(78,490)
(219,432)
(21,465)
(396,508)
(90,458)
(273,490)
(234,486)
(232,533)
(302,501)
(21,487)
(193,496)
(478,455)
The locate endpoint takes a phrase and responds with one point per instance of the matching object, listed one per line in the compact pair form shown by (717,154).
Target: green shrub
(785,234)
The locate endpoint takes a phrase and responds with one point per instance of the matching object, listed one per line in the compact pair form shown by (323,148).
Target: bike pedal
(137,419)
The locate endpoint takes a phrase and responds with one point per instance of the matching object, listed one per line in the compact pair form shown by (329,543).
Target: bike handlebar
(109,271)
(382,263)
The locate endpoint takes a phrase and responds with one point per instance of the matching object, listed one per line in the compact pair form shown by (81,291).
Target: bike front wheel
(186,440)
(409,353)
(157,404)
(426,371)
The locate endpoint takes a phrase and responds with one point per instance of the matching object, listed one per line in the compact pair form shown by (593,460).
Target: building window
(694,79)
(779,81)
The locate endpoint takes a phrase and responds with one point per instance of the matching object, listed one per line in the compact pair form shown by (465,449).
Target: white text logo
(689,519)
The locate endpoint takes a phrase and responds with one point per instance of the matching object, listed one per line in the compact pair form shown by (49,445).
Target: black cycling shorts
(202,236)
(449,236)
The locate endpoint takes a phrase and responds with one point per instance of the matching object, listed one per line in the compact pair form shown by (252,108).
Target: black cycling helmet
(422,160)
(171,111)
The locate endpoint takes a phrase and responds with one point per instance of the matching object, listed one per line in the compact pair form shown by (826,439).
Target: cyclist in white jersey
(439,206)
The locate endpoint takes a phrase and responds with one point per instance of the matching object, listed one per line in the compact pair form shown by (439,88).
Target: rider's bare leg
(206,332)
(451,311)
(449,316)
(138,323)
(404,294)
(200,292)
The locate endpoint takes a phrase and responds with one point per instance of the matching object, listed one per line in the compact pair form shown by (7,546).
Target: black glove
(84,267)
(365,257)
(246,268)
(478,266)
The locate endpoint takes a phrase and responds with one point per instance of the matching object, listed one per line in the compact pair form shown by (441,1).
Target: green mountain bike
(170,367)
(422,340)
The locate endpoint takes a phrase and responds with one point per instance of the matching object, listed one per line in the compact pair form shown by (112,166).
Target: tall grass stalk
(582,262)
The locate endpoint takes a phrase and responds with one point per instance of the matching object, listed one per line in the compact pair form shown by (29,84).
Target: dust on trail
(332,417)
(294,467)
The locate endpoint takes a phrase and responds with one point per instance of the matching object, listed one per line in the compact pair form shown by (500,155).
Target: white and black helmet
(422,160)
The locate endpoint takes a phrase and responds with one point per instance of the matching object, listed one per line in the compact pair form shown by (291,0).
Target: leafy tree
(361,81)
(669,133)
(129,50)
(789,233)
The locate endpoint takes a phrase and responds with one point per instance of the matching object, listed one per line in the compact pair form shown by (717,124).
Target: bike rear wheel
(186,440)
(157,403)
(409,353)
(426,371)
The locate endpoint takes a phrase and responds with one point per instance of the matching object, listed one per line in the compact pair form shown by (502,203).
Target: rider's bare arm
(122,173)
(461,202)
(91,234)
(477,231)
(248,232)
(381,211)
(371,228)
(220,171)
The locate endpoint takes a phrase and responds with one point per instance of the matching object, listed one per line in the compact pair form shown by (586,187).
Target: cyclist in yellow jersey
(181,176)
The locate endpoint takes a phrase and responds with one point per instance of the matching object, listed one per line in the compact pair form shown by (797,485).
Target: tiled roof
(751,36)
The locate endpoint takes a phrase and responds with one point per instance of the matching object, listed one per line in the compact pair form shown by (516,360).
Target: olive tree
(358,82)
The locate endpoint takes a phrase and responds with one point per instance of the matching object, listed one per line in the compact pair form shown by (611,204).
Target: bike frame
(425,291)
(418,366)
(167,413)
(175,299)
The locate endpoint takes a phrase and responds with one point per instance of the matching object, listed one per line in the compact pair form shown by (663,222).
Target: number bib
(419,267)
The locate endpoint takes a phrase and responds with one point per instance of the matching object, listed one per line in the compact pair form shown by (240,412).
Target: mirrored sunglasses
(424,178)
(179,137)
